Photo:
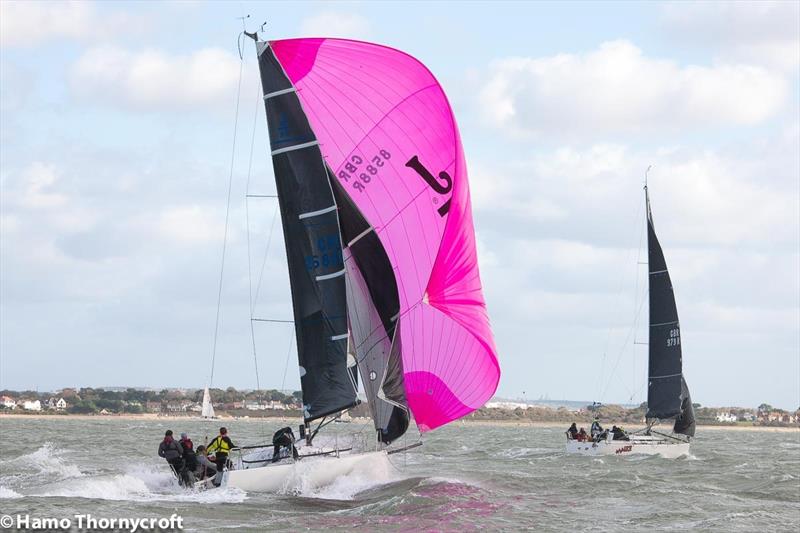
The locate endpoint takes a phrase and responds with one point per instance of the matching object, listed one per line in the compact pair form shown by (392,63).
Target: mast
(667,393)
(313,245)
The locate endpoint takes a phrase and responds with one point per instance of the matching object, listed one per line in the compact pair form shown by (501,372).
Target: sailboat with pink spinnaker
(375,209)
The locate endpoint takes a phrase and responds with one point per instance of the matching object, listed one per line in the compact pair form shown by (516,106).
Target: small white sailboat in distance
(667,393)
(208,407)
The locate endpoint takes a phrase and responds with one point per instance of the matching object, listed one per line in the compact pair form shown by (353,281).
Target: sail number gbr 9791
(674,338)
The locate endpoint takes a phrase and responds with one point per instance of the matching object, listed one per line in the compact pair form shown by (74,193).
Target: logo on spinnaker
(434,183)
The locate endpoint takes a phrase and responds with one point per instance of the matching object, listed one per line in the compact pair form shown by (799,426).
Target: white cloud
(152,79)
(616,88)
(35,187)
(745,195)
(190,225)
(763,32)
(25,23)
(335,24)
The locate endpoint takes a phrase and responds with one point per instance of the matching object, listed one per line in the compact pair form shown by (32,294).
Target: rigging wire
(637,315)
(247,224)
(601,377)
(286,365)
(227,217)
(266,252)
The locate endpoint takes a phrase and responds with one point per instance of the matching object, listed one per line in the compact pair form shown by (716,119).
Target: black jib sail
(667,393)
(313,247)
(373,308)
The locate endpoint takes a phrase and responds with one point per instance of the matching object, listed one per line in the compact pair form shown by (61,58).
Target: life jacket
(187,444)
(219,445)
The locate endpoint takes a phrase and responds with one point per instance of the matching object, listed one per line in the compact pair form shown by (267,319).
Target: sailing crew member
(283,439)
(172,451)
(596,429)
(572,432)
(188,452)
(205,468)
(619,434)
(220,447)
(582,436)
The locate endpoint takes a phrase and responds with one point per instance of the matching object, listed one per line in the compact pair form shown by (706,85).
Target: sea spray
(9,494)
(46,461)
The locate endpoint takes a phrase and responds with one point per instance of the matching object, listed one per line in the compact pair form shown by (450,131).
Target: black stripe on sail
(664,391)
(373,306)
(313,247)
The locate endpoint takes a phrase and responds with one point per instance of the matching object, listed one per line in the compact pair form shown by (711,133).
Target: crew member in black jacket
(172,451)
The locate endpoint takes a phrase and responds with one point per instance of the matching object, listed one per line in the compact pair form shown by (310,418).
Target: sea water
(464,478)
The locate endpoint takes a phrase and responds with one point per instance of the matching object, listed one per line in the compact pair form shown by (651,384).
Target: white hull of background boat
(306,474)
(639,444)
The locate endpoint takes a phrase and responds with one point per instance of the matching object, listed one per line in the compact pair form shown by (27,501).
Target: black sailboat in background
(668,395)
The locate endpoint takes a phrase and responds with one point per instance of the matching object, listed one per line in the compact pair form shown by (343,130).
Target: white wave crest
(436,480)
(8,494)
(48,461)
(141,484)
(373,472)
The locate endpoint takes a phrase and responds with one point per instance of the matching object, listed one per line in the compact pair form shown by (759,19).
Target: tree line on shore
(89,400)
(231,401)
(764,415)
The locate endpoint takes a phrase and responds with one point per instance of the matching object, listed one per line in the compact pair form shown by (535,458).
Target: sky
(117,124)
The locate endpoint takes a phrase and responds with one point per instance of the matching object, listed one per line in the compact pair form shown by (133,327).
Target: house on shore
(8,402)
(32,405)
(57,404)
(778,416)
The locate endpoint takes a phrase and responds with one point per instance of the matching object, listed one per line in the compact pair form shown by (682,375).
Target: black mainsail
(667,393)
(313,247)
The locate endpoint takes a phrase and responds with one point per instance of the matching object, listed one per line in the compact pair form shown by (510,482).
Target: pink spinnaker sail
(387,131)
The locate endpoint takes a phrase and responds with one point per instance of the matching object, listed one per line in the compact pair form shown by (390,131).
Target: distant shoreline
(495,423)
(544,424)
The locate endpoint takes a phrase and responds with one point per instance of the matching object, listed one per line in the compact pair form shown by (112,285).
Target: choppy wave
(58,477)
(132,487)
(375,471)
(48,462)
(8,494)
(465,478)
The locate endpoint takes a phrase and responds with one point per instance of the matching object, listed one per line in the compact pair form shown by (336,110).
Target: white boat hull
(305,474)
(639,444)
